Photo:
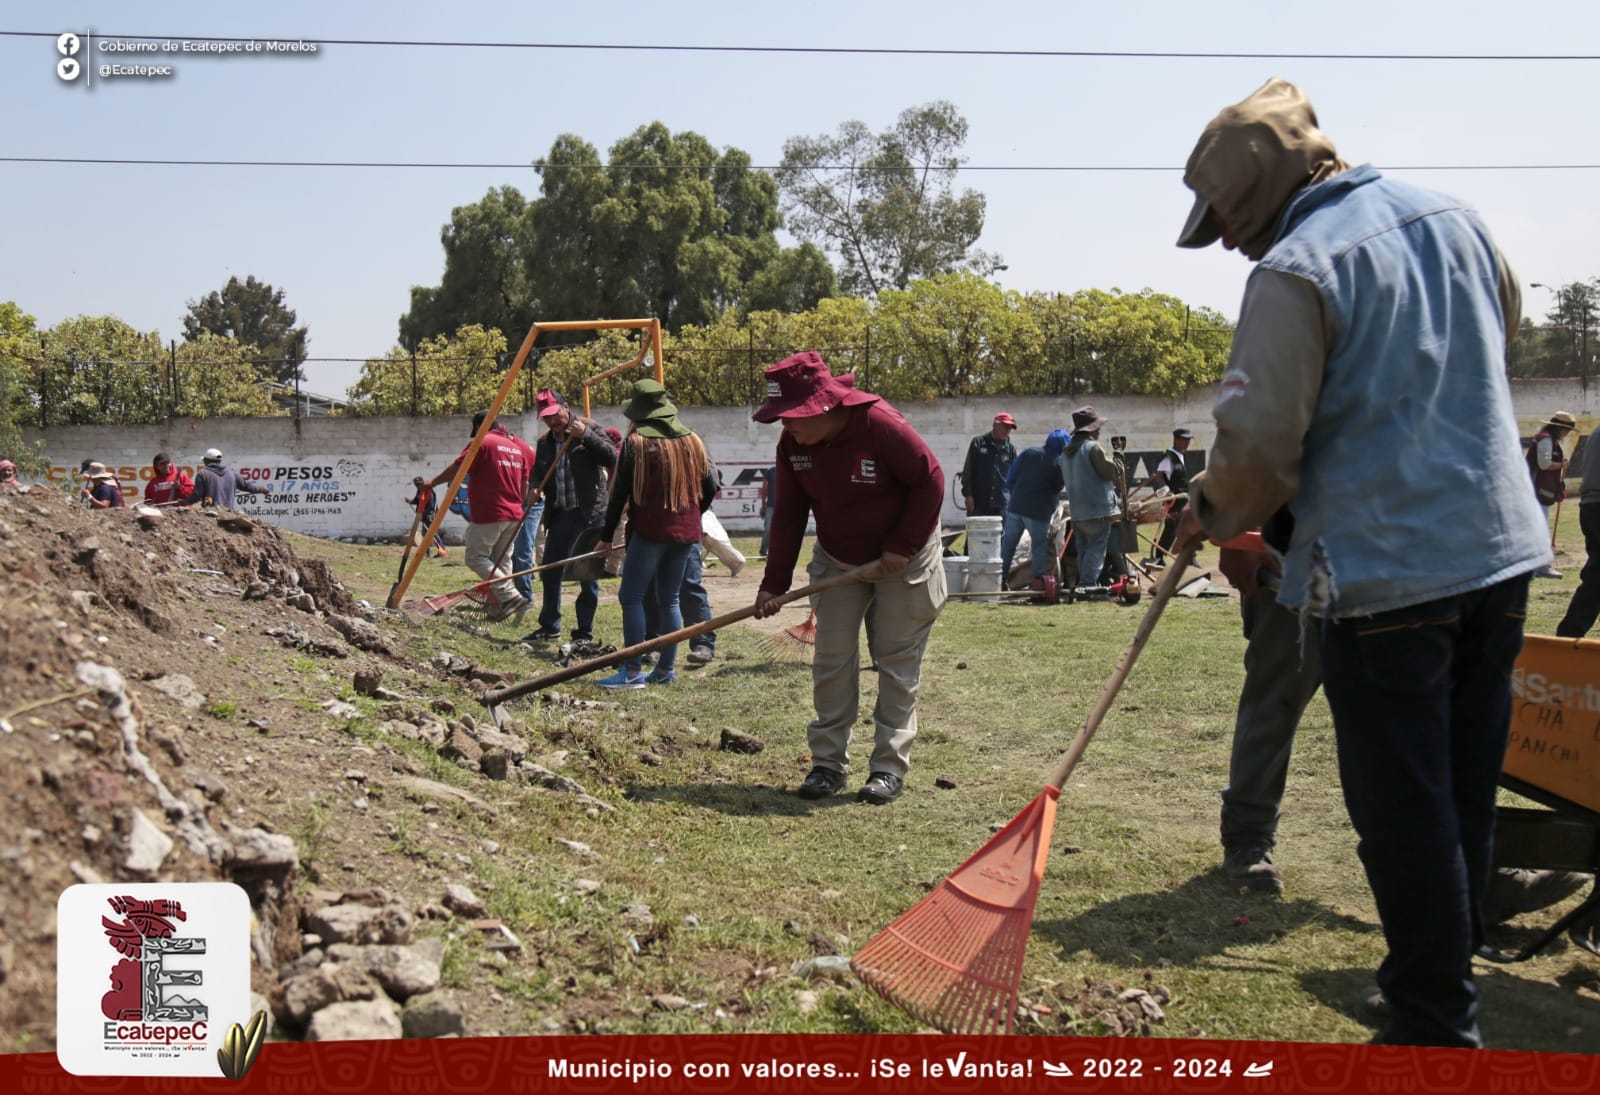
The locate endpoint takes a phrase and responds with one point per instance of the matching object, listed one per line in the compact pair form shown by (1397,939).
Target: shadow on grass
(1515,1012)
(739,800)
(1202,918)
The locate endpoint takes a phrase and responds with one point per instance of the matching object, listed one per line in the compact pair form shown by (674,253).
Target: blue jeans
(1421,701)
(562,527)
(653,568)
(1040,560)
(693,600)
(1091,534)
(522,553)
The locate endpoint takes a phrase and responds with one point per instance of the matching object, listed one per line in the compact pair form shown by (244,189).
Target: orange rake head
(954,959)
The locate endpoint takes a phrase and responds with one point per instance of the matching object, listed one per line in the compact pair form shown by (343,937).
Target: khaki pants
(905,607)
(481,544)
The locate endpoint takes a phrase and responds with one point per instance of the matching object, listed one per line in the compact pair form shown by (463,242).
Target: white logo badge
(150,976)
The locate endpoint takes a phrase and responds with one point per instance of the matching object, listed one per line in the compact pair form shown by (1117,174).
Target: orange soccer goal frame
(649,354)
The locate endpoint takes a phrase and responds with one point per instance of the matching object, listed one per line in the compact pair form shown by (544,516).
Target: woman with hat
(1548,466)
(875,488)
(664,479)
(103,491)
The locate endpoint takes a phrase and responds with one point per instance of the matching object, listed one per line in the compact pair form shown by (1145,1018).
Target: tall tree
(670,227)
(485,279)
(18,342)
(252,313)
(885,203)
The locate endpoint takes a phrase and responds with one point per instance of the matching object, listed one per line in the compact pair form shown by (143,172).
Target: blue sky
(346,245)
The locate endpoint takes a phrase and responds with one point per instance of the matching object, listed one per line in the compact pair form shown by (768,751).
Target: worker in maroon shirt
(170,485)
(853,462)
(499,479)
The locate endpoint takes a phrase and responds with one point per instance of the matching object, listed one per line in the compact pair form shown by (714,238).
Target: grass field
(743,879)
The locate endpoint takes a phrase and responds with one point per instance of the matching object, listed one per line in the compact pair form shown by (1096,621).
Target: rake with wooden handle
(954,959)
(480,593)
(495,697)
(405,556)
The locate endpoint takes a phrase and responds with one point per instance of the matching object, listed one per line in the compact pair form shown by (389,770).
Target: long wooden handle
(1164,592)
(498,696)
(411,539)
(511,534)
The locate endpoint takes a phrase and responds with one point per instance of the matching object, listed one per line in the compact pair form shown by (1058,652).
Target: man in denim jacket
(1368,367)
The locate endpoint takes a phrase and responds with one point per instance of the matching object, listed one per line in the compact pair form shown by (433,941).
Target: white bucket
(984,578)
(983,539)
(955,573)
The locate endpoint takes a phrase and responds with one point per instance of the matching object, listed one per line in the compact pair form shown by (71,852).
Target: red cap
(802,386)
(548,402)
(1004,419)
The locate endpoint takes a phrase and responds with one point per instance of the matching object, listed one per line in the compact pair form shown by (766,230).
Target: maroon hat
(548,403)
(801,387)
(1004,419)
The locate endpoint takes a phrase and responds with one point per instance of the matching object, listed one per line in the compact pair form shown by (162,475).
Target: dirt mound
(116,624)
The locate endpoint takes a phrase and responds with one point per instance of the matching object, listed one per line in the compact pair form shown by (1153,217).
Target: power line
(491,166)
(845,51)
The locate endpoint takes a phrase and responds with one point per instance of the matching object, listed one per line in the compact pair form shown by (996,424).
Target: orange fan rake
(954,959)
(481,595)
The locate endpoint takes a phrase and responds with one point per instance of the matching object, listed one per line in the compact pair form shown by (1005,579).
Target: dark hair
(83,467)
(417,482)
(162,458)
(477,422)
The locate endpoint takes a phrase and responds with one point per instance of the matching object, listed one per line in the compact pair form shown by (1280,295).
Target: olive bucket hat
(652,413)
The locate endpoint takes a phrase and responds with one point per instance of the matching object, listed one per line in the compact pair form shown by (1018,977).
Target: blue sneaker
(622,678)
(658,677)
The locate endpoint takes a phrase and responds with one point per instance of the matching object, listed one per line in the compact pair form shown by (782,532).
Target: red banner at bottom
(778,1063)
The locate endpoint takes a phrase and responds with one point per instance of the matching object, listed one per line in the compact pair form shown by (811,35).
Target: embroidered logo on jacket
(867,472)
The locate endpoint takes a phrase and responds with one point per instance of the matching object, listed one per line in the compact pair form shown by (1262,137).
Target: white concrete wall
(350,477)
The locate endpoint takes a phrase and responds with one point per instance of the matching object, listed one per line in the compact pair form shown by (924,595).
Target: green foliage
(458,374)
(219,377)
(18,340)
(672,229)
(251,313)
(97,370)
(885,203)
(952,336)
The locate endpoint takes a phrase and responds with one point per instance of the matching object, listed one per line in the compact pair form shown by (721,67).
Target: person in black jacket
(983,475)
(574,500)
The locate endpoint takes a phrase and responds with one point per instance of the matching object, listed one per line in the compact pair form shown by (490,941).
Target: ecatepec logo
(150,976)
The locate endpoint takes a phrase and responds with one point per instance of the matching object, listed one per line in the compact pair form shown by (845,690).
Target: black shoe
(1250,867)
(543,635)
(579,636)
(821,783)
(881,789)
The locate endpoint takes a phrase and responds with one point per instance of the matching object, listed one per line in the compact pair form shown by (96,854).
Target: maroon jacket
(652,518)
(874,488)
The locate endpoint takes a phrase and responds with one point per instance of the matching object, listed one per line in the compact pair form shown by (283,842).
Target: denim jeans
(562,527)
(1585,604)
(522,553)
(653,565)
(1040,561)
(693,601)
(1091,534)
(1421,700)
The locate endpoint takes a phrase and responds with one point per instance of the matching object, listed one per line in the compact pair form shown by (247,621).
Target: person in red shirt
(170,485)
(499,480)
(854,463)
